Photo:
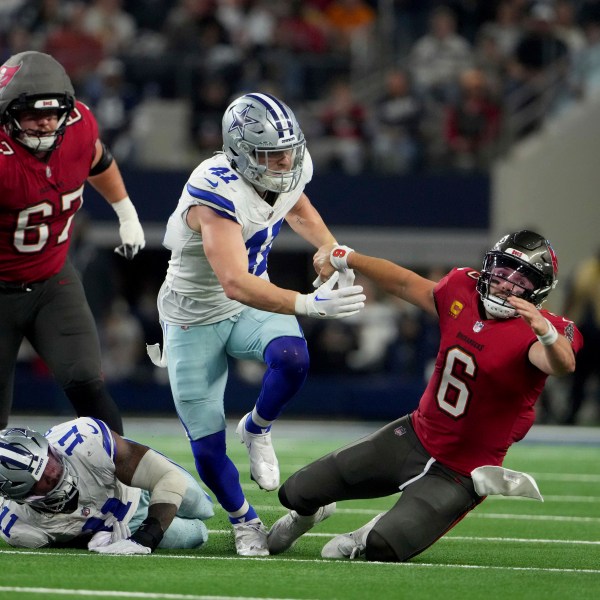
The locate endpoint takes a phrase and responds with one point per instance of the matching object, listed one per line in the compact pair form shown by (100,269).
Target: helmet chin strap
(37,143)
(498,311)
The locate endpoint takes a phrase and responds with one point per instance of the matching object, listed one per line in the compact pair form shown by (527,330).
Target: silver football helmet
(523,254)
(24,455)
(34,81)
(255,128)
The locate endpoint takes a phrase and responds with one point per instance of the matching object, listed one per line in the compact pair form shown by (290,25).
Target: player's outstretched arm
(390,277)
(227,255)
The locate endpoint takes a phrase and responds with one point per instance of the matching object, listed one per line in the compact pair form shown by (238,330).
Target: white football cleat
(350,545)
(264,467)
(288,529)
(251,538)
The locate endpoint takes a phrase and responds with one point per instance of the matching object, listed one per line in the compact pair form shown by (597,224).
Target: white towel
(490,480)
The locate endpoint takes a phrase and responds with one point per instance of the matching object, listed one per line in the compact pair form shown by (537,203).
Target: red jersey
(39,199)
(481,396)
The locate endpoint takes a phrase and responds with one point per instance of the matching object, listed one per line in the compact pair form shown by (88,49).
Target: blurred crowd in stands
(393,86)
(384,86)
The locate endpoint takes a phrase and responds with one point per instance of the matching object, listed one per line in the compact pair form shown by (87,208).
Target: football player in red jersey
(496,351)
(49,148)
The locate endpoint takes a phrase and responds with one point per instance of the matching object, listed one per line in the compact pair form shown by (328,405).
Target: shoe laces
(251,525)
(357,551)
(245,531)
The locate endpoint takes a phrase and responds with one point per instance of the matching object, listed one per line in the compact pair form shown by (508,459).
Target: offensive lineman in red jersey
(49,148)
(497,348)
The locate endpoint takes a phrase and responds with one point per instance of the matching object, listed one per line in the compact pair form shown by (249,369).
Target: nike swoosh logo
(317,299)
(211,183)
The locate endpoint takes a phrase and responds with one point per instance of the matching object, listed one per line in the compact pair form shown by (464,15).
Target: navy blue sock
(217,471)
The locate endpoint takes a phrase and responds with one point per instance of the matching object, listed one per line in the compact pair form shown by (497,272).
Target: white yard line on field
(118,594)
(358,563)
(450,537)
(559,518)
(462,538)
(575,477)
(472,515)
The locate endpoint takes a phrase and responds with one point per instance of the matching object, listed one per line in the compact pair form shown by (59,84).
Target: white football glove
(104,538)
(327,303)
(346,279)
(123,547)
(130,229)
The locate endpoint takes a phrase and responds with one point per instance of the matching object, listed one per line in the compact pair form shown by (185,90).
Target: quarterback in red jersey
(496,351)
(49,148)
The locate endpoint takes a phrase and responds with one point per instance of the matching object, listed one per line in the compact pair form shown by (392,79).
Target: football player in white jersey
(217,300)
(82,485)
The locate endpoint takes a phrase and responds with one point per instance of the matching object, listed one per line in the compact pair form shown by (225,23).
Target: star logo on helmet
(241,120)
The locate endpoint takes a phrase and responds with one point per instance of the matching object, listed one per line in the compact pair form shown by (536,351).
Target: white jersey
(191,292)
(89,447)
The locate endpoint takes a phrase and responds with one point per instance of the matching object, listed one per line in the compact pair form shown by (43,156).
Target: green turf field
(506,548)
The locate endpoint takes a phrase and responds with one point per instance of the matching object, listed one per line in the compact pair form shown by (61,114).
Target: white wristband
(339,257)
(550,336)
(300,307)
(125,210)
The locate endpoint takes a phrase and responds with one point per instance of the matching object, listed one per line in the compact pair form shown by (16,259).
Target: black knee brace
(92,400)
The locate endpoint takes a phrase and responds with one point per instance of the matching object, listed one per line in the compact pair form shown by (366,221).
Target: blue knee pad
(289,354)
(287,368)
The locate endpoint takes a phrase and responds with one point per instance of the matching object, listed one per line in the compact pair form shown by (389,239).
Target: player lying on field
(82,485)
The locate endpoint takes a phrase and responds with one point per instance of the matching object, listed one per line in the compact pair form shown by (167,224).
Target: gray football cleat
(286,531)
(350,545)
